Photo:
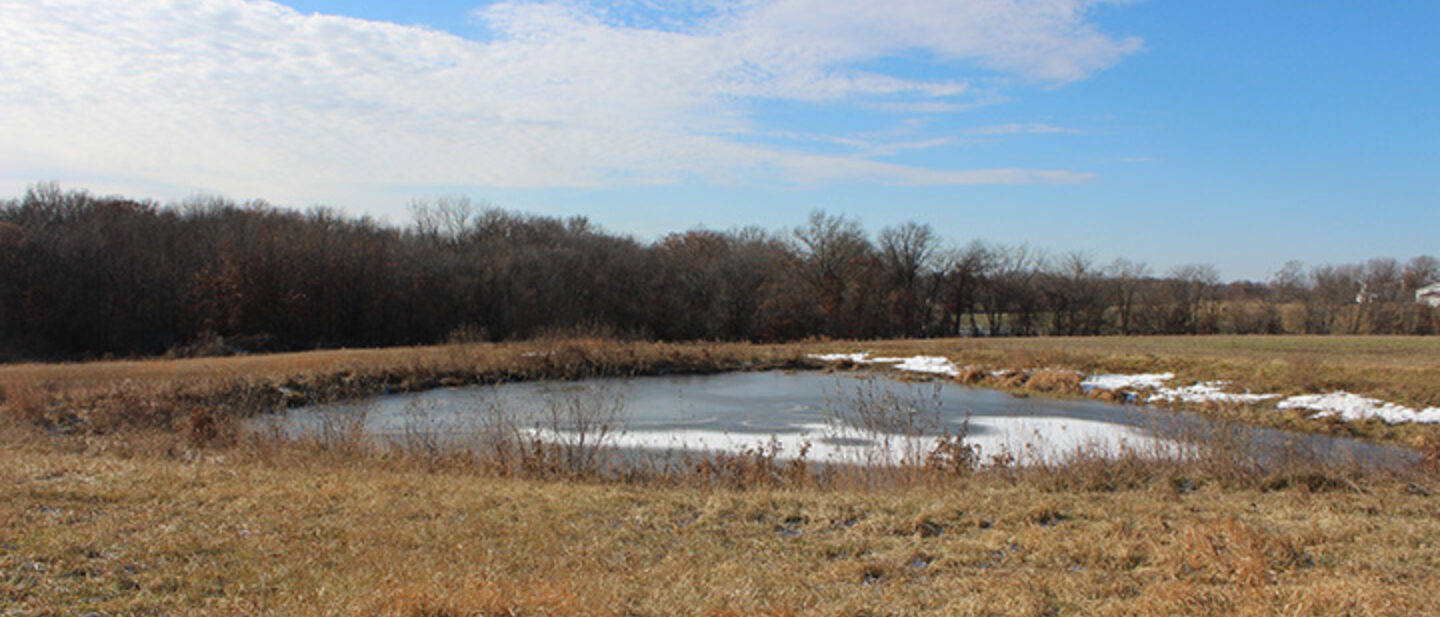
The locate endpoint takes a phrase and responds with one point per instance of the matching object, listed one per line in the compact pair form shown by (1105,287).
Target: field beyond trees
(125,488)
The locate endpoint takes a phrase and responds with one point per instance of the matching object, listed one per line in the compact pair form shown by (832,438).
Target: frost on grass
(1350,407)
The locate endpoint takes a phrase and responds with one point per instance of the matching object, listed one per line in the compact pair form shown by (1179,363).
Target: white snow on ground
(929,364)
(1351,407)
(1201,392)
(1133,382)
(858,358)
(1205,392)
(1025,441)
(935,365)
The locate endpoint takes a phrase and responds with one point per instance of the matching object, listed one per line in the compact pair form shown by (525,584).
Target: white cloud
(1040,40)
(1032,128)
(815,169)
(253,98)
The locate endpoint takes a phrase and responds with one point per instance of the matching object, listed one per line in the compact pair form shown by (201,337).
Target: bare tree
(1381,286)
(12,237)
(691,294)
(1192,292)
(1008,295)
(906,252)
(1077,304)
(834,252)
(445,219)
(1128,278)
(83,275)
(962,271)
(1420,271)
(1332,288)
(1290,283)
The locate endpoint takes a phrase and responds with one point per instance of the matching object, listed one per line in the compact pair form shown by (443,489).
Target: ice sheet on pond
(1020,440)
(834,414)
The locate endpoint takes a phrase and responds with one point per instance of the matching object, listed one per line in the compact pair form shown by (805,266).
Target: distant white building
(1364,296)
(1428,295)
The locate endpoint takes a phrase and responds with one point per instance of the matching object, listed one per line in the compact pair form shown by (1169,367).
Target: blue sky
(1242,134)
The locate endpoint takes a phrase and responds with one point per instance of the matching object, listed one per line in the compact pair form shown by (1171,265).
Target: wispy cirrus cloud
(1032,128)
(254,98)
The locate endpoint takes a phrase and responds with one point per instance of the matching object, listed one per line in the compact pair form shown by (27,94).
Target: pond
(860,418)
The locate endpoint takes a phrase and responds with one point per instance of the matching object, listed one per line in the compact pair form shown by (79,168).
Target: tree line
(83,275)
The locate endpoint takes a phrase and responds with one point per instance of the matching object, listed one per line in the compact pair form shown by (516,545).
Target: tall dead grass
(126,488)
(190,405)
(312,532)
(104,397)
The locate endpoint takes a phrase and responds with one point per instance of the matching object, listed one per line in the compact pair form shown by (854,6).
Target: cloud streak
(255,98)
(1033,128)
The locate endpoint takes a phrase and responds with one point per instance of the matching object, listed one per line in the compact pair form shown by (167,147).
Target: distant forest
(83,275)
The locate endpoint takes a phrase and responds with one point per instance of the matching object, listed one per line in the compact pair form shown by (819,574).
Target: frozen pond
(834,417)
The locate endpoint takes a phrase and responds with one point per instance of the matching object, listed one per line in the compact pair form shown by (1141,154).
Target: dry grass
(125,489)
(1399,369)
(410,368)
(304,532)
(192,395)
(202,398)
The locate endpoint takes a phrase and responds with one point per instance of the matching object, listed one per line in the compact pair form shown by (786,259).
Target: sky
(1235,133)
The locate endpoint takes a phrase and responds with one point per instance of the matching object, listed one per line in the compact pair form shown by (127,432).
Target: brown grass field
(126,488)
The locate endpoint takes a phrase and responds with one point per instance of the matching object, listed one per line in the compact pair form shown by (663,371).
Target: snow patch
(933,365)
(858,358)
(1118,382)
(1350,407)
(1207,392)
(1201,392)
